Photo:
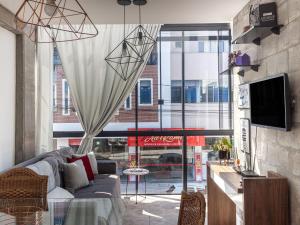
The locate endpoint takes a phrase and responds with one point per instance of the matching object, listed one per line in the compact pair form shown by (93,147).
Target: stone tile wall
(273,149)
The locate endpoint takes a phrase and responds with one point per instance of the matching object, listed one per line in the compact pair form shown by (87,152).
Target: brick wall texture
(273,149)
(146,113)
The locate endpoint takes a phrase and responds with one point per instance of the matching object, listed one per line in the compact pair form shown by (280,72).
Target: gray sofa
(106,183)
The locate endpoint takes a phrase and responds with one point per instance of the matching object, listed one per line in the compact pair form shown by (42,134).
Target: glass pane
(171,79)
(199,152)
(202,89)
(148,85)
(224,82)
(162,156)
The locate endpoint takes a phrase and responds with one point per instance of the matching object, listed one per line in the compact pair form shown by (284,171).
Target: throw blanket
(103,211)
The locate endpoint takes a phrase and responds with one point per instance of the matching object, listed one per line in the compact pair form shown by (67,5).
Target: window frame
(64,82)
(139,91)
(182,132)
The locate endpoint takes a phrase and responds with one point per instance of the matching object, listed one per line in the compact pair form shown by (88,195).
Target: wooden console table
(255,201)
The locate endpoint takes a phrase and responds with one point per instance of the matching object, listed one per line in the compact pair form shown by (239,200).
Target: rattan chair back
(23,187)
(192,209)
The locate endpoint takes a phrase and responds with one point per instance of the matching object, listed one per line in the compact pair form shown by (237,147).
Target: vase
(224,155)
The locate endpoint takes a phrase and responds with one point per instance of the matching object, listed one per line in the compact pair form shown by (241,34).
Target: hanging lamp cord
(140,17)
(124,20)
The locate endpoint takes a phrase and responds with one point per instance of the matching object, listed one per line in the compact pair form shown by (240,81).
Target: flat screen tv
(270,102)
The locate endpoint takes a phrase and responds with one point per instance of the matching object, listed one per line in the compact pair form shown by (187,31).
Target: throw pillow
(75,176)
(93,161)
(87,166)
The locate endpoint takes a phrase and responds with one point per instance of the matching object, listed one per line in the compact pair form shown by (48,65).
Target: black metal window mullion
(184,143)
(136,134)
(160,85)
(219,81)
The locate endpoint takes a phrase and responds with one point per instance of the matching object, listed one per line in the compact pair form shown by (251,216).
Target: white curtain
(44,97)
(97,91)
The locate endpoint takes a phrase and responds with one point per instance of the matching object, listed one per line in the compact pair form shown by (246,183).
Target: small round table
(136,172)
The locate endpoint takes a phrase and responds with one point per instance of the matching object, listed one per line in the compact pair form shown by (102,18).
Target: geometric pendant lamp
(55,17)
(124,58)
(140,38)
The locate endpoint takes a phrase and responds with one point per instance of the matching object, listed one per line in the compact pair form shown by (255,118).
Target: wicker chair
(192,209)
(23,193)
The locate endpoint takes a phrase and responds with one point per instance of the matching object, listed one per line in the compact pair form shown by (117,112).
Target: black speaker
(263,15)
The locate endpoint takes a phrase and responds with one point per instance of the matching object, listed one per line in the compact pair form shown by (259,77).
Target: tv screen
(270,102)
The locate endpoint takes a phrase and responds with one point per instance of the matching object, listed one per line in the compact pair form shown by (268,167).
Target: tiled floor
(154,210)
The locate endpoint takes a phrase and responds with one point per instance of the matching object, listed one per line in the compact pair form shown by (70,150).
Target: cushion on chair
(44,168)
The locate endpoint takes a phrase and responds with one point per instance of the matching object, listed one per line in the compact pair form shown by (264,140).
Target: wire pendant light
(55,17)
(124,59)
(140,38)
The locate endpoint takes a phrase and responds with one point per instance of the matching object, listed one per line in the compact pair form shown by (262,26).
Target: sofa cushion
(44,168)
(86,164)
(93,161)
(103,186)
(59,193)
(75,176)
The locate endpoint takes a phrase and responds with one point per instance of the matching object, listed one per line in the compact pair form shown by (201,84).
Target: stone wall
(273,149)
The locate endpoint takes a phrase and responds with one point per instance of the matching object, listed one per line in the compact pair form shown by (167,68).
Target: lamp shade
(141,40)
(55,16)
(124,60)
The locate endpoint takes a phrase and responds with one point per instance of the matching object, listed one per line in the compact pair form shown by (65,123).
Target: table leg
(127,184)
(136,189)
(145,185)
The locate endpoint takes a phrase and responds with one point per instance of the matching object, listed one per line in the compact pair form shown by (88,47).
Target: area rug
(152,210)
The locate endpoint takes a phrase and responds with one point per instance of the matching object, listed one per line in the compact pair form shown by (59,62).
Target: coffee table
(136,172)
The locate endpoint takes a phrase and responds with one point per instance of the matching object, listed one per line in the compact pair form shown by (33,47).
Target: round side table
(136,172)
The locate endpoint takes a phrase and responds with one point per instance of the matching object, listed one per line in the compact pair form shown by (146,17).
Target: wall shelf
(242,69)
(256,34)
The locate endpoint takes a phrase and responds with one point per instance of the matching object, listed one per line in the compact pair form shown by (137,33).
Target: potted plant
(223,147)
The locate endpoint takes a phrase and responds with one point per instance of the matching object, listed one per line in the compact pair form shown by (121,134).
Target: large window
(176,91)
(127,104)
(179,107)
(145,91)
(192,91)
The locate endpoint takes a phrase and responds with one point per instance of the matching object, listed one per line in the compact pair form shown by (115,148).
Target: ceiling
(156,11)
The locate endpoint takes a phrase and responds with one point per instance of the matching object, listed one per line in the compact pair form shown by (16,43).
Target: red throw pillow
(87,166)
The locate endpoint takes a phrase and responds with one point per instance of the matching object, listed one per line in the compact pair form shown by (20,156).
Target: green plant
(224,144)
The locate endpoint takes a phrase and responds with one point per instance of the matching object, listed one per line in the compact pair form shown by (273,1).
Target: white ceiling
(156,11)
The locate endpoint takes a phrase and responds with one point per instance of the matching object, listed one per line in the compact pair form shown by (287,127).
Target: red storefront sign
(152,141)
(74,142)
